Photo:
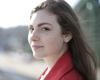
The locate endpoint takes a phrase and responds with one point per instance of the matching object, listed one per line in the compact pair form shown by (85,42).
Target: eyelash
(31,29)
(45,28)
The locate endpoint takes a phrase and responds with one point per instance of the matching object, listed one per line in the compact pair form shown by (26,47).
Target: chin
(38,56)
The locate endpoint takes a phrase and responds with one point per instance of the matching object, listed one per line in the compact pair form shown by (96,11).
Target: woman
(55,35)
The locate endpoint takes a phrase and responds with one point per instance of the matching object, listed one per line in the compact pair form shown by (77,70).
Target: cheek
(53,42)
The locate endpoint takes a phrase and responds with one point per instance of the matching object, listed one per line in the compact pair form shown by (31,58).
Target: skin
(45,37)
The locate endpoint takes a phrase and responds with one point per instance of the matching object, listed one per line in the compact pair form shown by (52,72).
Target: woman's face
(45,37)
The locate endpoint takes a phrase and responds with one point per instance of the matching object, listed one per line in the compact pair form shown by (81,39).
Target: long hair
(83,57)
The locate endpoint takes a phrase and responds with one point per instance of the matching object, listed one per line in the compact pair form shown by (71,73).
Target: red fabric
(63,69)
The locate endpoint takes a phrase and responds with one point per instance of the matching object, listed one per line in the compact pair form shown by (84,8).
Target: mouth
(35,47)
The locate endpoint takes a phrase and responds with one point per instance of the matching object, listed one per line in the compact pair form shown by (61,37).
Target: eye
(31,29)
(44,29)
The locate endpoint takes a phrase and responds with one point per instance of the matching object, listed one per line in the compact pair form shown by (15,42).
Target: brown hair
(83,57)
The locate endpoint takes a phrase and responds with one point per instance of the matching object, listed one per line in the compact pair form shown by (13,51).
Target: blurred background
(16,59)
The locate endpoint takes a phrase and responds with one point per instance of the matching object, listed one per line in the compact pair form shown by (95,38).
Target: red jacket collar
(62,66)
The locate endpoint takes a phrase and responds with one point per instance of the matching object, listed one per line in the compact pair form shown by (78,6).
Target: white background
(16,12)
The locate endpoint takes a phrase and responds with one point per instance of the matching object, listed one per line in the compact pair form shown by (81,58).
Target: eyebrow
(41,24)
(44,24)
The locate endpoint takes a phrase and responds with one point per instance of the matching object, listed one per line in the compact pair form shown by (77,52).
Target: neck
(51,60)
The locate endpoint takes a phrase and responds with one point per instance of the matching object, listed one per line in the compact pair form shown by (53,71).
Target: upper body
(54,29)
(63,70)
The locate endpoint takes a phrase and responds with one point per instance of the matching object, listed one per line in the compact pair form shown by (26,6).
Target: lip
(34,47)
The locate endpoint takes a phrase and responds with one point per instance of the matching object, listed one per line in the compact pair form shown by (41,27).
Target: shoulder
(72,75)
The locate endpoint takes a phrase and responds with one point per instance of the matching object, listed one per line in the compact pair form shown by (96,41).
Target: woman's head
(81,53)
(66,17)
(45,36)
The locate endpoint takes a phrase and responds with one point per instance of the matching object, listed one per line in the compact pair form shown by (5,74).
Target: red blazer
(63,69)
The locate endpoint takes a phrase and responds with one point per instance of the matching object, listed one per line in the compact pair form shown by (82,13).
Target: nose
(34,36)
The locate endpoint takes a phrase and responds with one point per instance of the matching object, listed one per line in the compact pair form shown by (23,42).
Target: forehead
(43,16)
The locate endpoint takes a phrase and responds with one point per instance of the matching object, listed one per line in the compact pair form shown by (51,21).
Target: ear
(67,37)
